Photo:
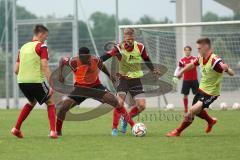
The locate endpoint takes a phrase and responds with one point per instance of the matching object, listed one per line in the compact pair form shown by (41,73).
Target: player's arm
(42,51)
(230,71)
(178,69)
(45,68)
(227,69)
(220,67)
(148,61)
(114,52)
(104,69)
(16,68)
(185,69)
(60,71)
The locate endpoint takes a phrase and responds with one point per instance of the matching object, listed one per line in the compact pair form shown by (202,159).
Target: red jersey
(141,47)
(41,49)
(191,74)
(84,74)
(216,63)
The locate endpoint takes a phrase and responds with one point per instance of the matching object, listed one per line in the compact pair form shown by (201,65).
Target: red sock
(186,122)
(204,115)
(116,117)
(59,125)
(126,116)
(23,115)
(52,116)
(185,102)
(134,111)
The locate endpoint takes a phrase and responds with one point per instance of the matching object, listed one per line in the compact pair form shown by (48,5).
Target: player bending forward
(130,55)
(31,68)
(86,70)
(190,80)
(212,68)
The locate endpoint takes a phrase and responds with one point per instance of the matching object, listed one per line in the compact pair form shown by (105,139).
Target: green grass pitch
(92,139)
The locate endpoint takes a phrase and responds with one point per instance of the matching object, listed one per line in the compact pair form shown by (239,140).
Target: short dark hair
(189,47)
(204,40)
(83,50)
(128,31)
(39,28)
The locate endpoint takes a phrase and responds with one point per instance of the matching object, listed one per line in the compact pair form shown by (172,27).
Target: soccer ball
(223,106)
(170,107)
(236,106)
(139,130)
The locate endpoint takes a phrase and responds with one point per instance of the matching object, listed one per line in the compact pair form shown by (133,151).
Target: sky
(132,9)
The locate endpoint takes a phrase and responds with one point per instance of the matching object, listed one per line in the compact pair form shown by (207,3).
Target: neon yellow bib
(30,64)
(210,80)
(130,64)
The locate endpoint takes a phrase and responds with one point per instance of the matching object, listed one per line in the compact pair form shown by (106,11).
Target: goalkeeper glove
(175,80)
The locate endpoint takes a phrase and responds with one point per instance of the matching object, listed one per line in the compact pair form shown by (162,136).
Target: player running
(86,70)
(190,80)
(32,69)
(212,69)
(130,54)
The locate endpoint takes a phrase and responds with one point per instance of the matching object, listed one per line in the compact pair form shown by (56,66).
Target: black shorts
(35,91)
(189,84)
(133,86)
(79,94)
(206,99)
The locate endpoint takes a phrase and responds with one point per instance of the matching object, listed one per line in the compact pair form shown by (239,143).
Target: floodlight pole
(7,55)
(117,22)
(14,53)
(75,29)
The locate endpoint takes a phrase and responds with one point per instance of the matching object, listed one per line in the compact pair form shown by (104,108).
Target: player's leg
(136,91)
(63,107)
(101,94)
(51,117)
(73,99)
(140,106)
(185,91)
(43,94)
(122,90)
(204,115)
(27,108)
(188,119)
(118,104)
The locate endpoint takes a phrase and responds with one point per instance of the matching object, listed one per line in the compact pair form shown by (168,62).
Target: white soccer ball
(139,130)
(236,106)
(223,106)
(170,107)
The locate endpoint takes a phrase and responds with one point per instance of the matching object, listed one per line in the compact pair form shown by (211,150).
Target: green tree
(210,16)
(103,24)
(22,13)
(125,21)
(146,20)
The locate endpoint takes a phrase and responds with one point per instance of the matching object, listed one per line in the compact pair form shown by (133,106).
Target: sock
(23,115)
(186,122)
(52,117)
(134,111)
(59,125)
(116,117)
(204,115)
(185,102)
(126,116)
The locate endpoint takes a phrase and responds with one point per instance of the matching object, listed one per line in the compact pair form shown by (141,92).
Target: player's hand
(61,78)
(50,91)
(175,80)
(156,71)
(179,75)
